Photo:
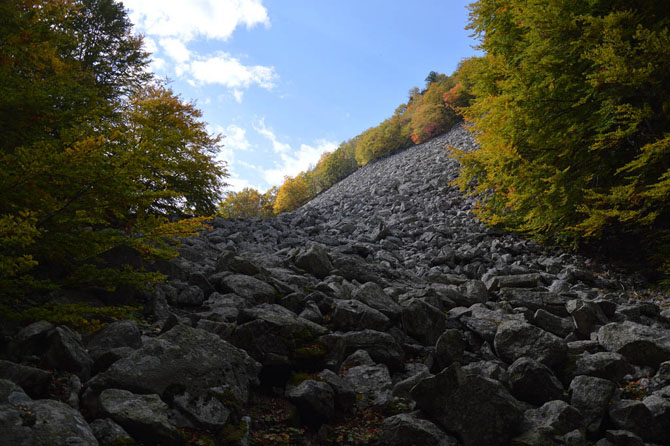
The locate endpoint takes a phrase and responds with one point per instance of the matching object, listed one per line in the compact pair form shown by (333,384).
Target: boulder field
(382,299)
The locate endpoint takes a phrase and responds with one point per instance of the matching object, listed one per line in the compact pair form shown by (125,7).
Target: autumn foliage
(95,153)
(573,119)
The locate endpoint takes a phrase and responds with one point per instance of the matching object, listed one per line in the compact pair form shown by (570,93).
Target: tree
(292,194)
(248,203)
(572,117)
(85,169)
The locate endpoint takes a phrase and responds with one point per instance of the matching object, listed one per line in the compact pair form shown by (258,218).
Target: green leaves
(570,117)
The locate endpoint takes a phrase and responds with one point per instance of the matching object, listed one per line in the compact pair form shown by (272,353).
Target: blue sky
(286,80)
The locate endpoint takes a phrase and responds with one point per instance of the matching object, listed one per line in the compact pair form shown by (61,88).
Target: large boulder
(145,417)
(66,352)
(43,422)
(533,382)
(381,346)
(423,321)
(640,344)
(515,339)
(591,396)
(407,429)
(355,315)
(114,335)
(315,261)
(315,401)
(184,364)
(253,290)
(273,334)
(34,381)
(374,296)
(109,433)
(372,384)
(480,410)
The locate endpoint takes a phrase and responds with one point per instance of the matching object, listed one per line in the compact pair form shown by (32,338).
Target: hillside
(381,312)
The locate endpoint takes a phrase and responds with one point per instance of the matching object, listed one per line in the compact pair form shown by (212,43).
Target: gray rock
(189,296)
(371,383)
(145,417)
(553,324)
(315,401)
(634,416)
(533,382)
(408,429)
(623,438)
(479,410)
(515,339)
(514,281)
(345,397)
(11,393)
(183,360)
(314,260)
(117,334)
(558,417)
(108,433)
(591,397)
(402,389)
(44,422)
(606,365)
(423,321)
(374,296)
(640,344)
(381,347)
(485,322)
(65,352)
(585,315)
(35,381)
(353,314)
(449,348)
(253,290)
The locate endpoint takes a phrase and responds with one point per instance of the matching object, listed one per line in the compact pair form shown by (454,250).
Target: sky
(286,80)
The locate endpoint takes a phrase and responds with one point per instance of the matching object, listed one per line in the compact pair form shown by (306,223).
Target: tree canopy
(571,111)
(96,153)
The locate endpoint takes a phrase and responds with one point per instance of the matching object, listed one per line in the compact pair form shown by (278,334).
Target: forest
(569,104)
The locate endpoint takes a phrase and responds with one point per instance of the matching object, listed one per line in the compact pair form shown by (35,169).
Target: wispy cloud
(292,162)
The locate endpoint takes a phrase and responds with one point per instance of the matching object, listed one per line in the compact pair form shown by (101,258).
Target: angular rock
(479,410)
(515,339)
(371,383)
(145,417)
(345,397)
(183,360)
(315,401)
(606,365)
(381,347)
(553,324)
(556,416)
(640,344)
(34,381)
(65,352)
(591,397)
(423,321)
(449,348)
(353,314)
(314,260)
(533,382)
(408,429)
(251,289)
(374,296)
(108,433)
(43,422)
(117,334)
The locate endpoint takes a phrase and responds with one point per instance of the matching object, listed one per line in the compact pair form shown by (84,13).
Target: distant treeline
(427,113)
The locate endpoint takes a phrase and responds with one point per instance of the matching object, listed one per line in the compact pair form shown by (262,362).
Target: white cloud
(292,161)
(237,94)
(150,45)
(176,50)
(228,71)
(158,64)
(277,146)
(213,19)
(236,184)
(235,137)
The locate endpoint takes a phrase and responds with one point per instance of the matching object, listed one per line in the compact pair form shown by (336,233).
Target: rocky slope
(381,312)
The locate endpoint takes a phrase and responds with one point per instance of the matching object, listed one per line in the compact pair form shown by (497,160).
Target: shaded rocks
(591,396)
(145,417)
(533,382)
(480,410)
(43,422)
(515,339)
(314,260)
(640,344)
(409,429)
(315,401)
